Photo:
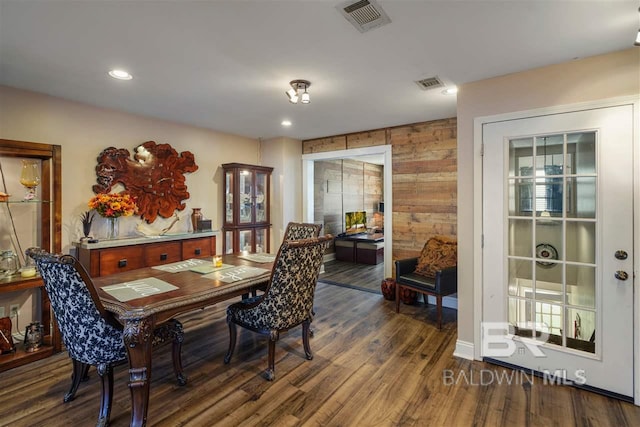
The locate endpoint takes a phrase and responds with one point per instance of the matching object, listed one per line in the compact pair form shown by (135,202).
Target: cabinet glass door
(246,197)
(228,242)
(261,240)
(245,240)
(261,197)
(228,194)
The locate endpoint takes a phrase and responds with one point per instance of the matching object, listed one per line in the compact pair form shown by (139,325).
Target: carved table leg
(138,339)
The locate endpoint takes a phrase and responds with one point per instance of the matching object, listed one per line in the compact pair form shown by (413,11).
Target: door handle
(621,275)
(621,255)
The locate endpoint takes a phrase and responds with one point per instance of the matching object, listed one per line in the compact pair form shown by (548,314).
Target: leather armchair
(444,283)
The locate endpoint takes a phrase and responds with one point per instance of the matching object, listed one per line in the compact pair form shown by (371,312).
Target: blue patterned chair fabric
(288,299)
(91,335)
(299,231)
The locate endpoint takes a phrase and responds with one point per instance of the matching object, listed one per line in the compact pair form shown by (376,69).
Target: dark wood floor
(372,367)
(358,276)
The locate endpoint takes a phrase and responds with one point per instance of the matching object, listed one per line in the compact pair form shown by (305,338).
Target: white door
(558,246)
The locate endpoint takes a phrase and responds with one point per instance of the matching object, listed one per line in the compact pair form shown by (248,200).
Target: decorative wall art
(155,177)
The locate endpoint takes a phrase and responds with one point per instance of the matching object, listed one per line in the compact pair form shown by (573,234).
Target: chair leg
(439,308)
(106,375)
(270,373)
(172,330)
(233,334)
(313,313)
(398,297)
(306,331)
(176,351)
(79,375)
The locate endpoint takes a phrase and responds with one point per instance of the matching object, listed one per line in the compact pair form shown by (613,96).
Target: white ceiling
(225,65)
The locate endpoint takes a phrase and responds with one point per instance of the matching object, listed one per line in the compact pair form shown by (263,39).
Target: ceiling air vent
(365,15)
(430,83)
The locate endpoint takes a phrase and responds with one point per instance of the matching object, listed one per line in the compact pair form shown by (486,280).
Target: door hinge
(482,150)
(482,241)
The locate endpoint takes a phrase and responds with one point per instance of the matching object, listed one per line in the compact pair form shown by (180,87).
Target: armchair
(287,301)
(433,273)
(91,335)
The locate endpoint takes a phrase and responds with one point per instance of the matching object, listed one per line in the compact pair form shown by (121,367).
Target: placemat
(138,289)
(185,265)
(235,274)
(259,258)
(209,268)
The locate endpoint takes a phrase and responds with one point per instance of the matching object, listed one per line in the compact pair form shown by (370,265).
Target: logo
(499,339)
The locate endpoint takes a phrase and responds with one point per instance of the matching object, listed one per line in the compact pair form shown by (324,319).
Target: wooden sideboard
(115,256)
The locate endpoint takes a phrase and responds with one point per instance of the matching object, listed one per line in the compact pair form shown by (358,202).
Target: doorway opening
(361,275)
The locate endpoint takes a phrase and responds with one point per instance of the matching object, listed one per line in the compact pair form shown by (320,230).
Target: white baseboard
(464,350)
(449,302)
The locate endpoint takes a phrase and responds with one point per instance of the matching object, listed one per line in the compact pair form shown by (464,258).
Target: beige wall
(284,155)
(600,77)
(84,131)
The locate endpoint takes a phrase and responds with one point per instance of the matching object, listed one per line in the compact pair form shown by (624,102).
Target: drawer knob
(163,257)
(122,263)
(197,251)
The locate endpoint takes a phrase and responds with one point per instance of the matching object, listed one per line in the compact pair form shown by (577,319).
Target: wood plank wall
(424,162)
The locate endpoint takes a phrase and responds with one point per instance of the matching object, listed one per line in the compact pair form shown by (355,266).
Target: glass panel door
(261,197)
(245,240)
(261,240)
(228,191)
(552,238)
(246,197)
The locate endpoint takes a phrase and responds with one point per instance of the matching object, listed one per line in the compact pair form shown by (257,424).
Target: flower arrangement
(113,205)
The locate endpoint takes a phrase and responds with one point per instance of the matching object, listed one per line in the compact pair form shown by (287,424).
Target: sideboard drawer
(115,260)
(129,254)
(162,253)
(195,248)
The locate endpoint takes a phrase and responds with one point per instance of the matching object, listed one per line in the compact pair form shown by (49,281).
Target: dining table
(144,298)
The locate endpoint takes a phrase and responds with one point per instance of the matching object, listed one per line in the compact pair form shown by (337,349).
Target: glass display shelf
(17,201)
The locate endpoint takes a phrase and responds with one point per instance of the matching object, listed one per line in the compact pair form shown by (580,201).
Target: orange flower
(113,205)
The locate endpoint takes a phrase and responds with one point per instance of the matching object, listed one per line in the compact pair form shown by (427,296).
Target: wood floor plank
(371,367)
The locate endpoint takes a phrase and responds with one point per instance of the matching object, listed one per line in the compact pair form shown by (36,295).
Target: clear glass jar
(8,263)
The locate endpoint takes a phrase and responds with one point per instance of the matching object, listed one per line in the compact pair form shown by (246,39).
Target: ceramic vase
(196,216)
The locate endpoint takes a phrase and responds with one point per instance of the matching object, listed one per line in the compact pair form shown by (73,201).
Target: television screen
(355,222)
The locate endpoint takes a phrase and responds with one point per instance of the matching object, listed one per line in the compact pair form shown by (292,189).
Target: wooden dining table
(193,290)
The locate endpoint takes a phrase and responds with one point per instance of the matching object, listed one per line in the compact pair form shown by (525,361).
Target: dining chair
(300,230)
(288,298)
(91,334)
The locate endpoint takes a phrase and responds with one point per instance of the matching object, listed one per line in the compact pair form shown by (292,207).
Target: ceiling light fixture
(120,75)
(450,91)
(286,123)
(294,93)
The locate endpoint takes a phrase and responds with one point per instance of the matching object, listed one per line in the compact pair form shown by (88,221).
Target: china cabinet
(30,218)
(246,215)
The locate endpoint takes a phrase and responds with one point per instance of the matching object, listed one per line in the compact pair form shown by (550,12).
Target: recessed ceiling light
(120,75)
(450,91)
(286,123)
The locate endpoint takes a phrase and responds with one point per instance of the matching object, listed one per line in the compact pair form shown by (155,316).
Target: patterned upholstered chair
(288,299)
(433,273)
(299,230)
(91,335)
